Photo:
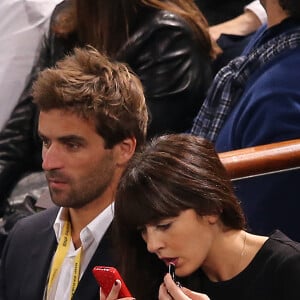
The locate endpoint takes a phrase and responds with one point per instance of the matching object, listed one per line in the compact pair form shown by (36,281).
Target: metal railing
(262,160)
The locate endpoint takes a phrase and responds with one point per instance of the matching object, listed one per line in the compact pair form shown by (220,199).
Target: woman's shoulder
(281,251)
(281,241)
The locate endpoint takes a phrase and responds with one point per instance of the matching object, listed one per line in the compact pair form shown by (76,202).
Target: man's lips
(53,180)
(56,179)
(56,182)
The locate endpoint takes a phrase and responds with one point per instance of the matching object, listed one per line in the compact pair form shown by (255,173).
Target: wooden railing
(265,159)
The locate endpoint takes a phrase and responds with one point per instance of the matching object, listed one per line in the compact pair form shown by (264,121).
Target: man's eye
(46,143)
(73,146)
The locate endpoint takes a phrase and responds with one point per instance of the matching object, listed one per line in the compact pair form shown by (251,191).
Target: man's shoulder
(42,218)
(281,72)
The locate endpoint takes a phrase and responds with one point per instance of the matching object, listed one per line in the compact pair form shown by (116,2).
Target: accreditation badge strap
(60,254)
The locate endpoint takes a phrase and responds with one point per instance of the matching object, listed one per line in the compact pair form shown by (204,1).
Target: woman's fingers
(170,288)
(114,293)
(195,296)
(163,293)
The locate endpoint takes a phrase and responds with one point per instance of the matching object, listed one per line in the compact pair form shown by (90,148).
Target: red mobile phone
(106,277)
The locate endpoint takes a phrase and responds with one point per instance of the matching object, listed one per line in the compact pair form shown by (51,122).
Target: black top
(273,274)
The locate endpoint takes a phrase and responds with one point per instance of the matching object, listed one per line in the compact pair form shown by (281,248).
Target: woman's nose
(153,241)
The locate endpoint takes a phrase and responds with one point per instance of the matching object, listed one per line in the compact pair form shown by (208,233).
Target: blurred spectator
(219,11)
(255,100)
(167,44)
(22,25)
(232,26)
(245,23)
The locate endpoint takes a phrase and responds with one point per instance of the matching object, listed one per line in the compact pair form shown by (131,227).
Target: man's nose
(52,158)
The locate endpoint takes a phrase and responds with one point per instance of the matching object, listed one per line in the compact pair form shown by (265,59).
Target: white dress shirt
(258,9)
(90,237)
(22,25)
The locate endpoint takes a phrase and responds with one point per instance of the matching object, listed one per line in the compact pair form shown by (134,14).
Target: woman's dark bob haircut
(171,174)
(174,173)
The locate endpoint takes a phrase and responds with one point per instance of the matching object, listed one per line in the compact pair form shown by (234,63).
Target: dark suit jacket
(27,256)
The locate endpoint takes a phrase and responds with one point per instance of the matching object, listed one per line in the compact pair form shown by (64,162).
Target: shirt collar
(94,231)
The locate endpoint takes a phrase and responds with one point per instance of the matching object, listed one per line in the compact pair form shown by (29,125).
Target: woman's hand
(113,295)
(169,290)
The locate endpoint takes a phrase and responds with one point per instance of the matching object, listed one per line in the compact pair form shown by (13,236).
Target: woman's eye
(163,226)
(141,229)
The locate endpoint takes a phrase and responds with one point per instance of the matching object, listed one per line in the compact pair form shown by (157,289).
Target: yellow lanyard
(59,256)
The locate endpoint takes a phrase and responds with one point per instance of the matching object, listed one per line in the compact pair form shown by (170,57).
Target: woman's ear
(125,150)
(212,219)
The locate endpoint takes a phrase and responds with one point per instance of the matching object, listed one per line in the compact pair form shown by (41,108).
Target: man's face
(78,168)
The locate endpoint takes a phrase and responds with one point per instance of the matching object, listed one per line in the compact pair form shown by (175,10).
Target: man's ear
(125,150)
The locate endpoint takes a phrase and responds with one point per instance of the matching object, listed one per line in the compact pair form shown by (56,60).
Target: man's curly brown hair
(93,86)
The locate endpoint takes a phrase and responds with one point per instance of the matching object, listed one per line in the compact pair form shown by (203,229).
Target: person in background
(93,116)
(255,100)
(22,26)
(232,25)
(167,44)
(175,205)
(217,11)
(244,23)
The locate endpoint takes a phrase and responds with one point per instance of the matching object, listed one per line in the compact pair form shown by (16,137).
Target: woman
(175,205)
(166,43)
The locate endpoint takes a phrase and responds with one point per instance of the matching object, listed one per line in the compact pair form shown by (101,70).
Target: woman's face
(184,240)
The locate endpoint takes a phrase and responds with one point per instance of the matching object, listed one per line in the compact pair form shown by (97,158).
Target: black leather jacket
(161,50)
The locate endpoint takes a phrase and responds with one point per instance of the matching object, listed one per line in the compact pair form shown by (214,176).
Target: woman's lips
(168,261)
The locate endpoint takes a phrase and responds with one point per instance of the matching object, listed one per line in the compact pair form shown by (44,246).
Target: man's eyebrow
(72,138)
(67,138)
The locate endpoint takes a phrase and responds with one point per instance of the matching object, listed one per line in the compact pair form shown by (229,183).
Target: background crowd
(86,83)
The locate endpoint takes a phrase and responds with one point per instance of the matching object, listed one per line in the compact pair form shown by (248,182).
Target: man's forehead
(65,123)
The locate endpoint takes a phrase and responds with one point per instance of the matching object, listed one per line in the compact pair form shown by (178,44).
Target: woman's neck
(231,253)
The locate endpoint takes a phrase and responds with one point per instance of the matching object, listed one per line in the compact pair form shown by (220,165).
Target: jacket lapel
(88,288)
(42,250)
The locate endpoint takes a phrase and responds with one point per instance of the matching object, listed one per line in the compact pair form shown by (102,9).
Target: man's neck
(275,13)
(81,217)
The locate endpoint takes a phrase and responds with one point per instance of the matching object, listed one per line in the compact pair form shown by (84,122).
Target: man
(255,100)
(22,26)
(92,118)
